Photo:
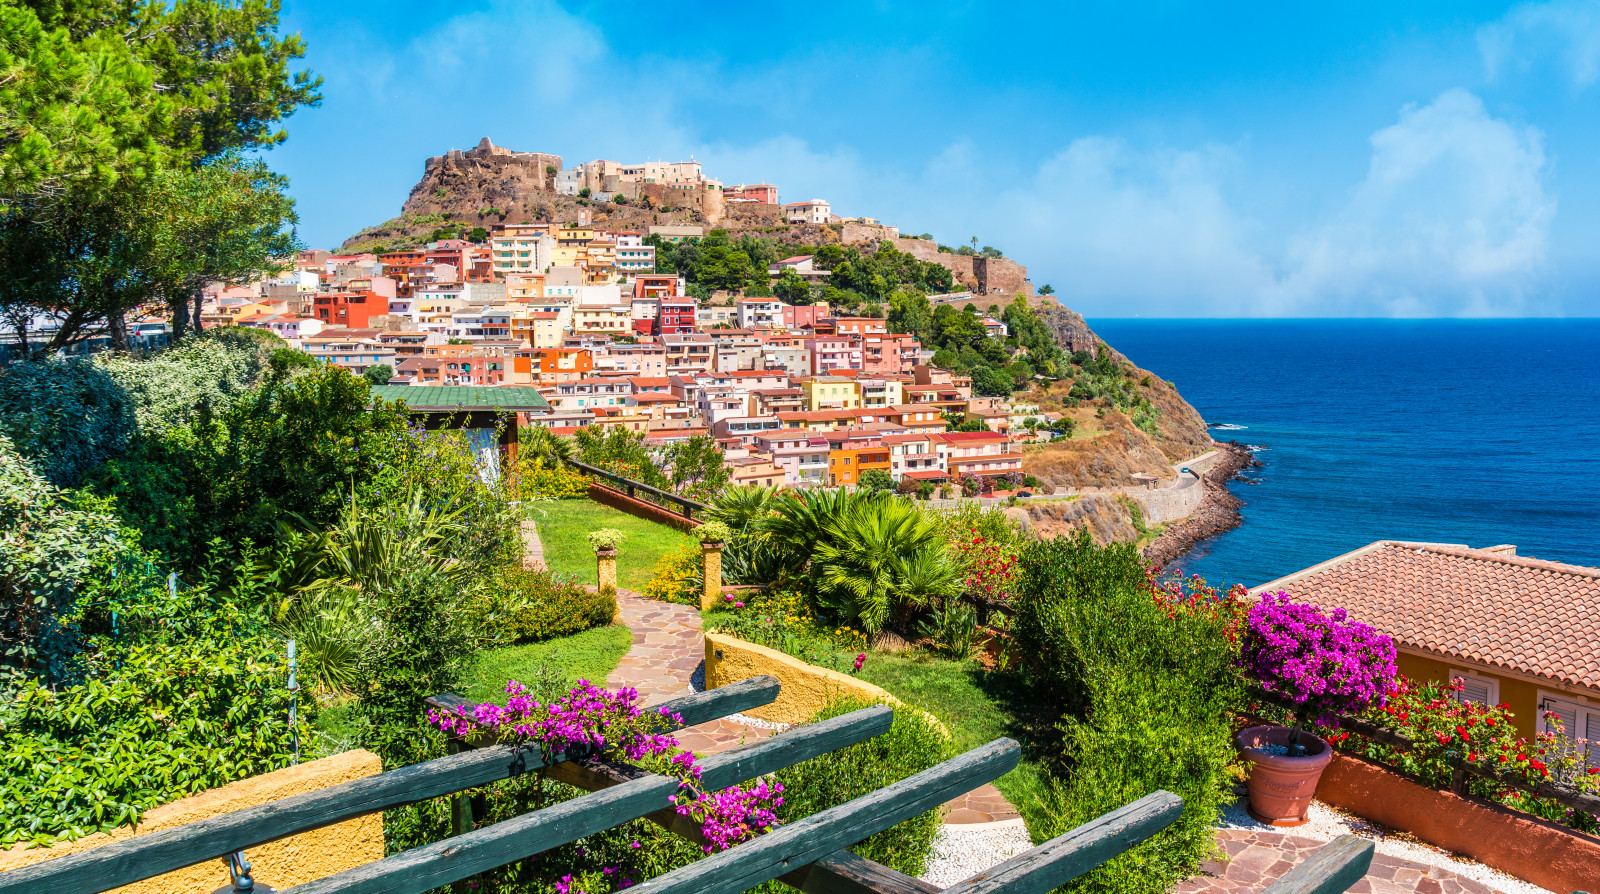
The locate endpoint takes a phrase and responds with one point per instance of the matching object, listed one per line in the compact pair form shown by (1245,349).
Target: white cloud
(1452,218)
(1566,30)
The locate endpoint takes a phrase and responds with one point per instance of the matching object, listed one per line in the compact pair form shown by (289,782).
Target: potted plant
(1322,666)
(605,543)
(712,534)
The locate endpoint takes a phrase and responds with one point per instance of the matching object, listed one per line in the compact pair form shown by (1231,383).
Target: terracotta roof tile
(1483,605)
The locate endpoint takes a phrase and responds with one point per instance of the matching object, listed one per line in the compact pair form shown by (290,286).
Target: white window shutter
(1474,691)
(1592,733)
(1567,711)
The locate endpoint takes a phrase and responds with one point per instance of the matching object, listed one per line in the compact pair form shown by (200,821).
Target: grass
(563,524)
(976,706)
(591,655)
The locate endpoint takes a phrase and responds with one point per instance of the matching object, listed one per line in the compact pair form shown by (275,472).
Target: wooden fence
(641,491)
(809,855)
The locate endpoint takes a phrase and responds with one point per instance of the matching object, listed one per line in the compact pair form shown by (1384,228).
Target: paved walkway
(668,649)
(1257,858)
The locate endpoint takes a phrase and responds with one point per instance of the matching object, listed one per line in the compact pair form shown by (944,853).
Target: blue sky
(1165,160)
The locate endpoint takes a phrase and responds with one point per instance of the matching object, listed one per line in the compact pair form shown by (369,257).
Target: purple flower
(1321,663)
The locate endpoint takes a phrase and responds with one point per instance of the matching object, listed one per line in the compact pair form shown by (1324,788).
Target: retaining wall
(1169,504)
(644,509)
(806,688)
(1513,842)
(281,864)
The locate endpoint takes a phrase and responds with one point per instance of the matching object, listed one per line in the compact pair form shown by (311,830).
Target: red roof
(1488,606)
(927,475)
(956,437)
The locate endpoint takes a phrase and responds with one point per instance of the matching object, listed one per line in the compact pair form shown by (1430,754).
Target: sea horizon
(1382,428)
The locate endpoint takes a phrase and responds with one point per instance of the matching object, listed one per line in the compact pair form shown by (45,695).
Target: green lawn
(976,707)
(563,524)
(591,655)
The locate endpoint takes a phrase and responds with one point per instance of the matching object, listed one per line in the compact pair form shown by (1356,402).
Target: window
(1579,723)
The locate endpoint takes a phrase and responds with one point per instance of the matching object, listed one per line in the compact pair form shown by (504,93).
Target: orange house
(846,465)
(552,366)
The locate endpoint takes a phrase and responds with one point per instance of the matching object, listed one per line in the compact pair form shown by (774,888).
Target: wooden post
(606,568)
(711,589)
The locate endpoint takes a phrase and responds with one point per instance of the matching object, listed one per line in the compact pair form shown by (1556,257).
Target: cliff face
(489,185)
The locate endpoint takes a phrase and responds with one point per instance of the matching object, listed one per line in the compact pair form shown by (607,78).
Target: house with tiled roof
(1518,631)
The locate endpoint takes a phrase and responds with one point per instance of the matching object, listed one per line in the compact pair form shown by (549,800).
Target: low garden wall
(806,688)
(616,499)
(281,864)
(1513,842)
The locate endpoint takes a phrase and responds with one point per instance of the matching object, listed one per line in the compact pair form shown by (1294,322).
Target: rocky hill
(1128,421)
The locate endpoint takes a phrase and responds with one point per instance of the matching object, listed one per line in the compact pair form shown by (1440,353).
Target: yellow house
(611,319)
(831,393)
(1516,631)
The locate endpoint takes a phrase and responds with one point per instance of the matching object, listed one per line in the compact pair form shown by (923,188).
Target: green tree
(791,288)
(478,235)
(910,312)
(379,374)
(1047,289)
(876,481)
(992,382)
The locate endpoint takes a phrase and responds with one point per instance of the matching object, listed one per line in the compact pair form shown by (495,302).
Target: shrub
(913,743)
(677,577)
(554,483)
(67,416)
(1139,687)
(530,605)
(51,546)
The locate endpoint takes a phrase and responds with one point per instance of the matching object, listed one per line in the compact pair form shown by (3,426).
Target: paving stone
(1257,858)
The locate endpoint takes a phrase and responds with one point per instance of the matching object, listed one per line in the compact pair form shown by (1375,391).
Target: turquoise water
(1476,432)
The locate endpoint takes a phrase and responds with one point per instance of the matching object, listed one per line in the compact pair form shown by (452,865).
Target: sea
(1479,432)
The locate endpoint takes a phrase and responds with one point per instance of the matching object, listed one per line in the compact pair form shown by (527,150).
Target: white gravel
(965,849)
(1327,823)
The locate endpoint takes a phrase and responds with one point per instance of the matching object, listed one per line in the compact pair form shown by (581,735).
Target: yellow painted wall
(1521,695)
(805,688)
(281,864)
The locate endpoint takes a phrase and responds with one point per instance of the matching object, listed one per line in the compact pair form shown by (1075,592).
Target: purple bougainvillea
(611,724)
(1323,664)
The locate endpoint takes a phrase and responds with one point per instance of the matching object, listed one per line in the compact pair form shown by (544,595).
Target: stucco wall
(806,688)
(281,864)
(1512,842)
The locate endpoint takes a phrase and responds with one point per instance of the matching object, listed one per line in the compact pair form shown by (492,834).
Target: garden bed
(1516,843)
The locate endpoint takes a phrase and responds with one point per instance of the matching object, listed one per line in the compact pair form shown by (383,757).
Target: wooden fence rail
(637,488)
(808,854)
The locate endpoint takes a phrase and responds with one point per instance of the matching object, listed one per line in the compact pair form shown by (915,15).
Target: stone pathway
(668,649)
(532,546)
(1255,859)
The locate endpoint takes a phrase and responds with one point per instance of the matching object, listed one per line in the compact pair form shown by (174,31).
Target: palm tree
(864,559)
(742,506)
(543,449)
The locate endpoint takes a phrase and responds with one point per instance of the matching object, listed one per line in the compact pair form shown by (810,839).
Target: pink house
(803,316)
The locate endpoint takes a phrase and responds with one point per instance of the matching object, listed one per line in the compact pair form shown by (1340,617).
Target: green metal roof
(464,397)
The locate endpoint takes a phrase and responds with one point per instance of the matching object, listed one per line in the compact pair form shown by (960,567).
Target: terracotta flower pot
(1281,787)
